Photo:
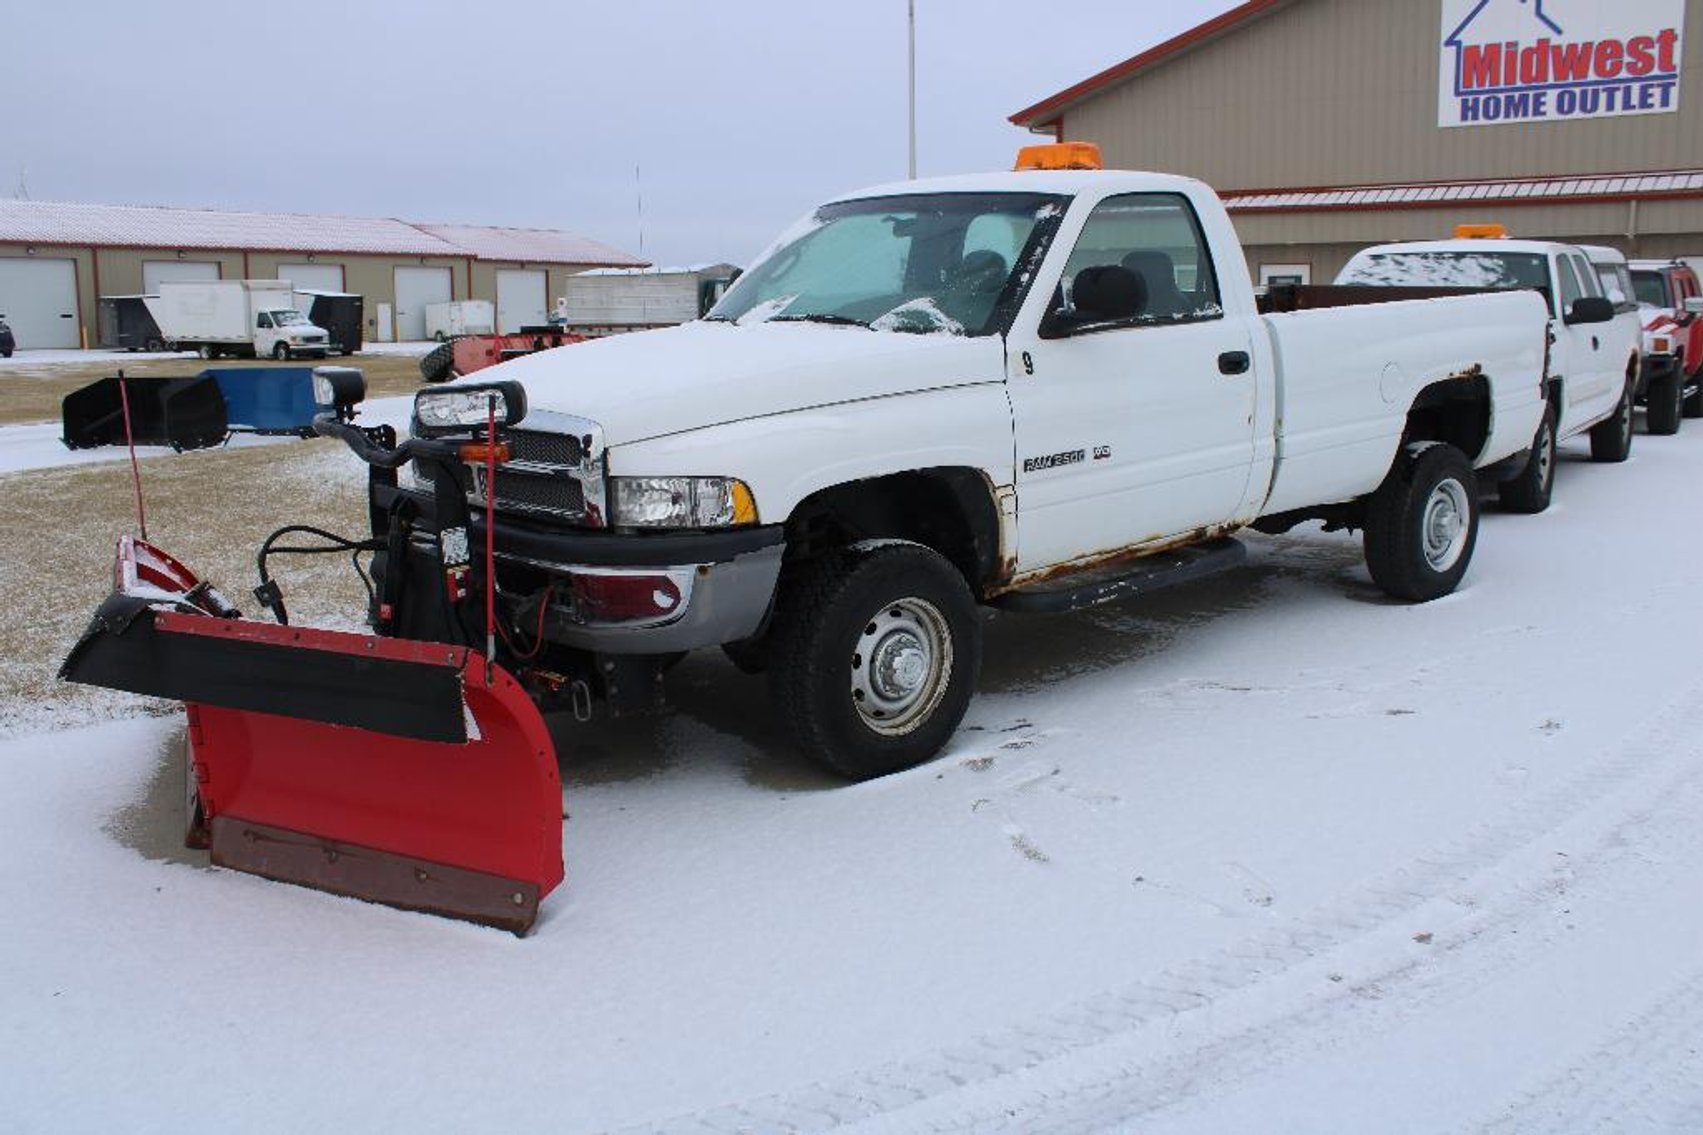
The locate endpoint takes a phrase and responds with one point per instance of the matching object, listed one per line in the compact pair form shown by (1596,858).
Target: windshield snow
(949,263)
(1451,270)
(288,318)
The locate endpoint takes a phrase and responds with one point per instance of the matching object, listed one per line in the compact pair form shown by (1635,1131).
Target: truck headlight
(681,502)
(458,408)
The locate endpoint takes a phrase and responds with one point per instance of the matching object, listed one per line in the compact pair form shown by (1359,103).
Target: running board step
(1122,580)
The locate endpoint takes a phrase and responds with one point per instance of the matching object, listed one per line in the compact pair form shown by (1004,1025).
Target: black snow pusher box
(184,413)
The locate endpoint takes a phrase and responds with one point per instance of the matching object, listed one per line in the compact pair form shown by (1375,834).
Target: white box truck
(444,321)
(236,317)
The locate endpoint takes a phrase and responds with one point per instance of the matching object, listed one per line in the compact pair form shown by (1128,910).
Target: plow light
(339,388)
(456,409)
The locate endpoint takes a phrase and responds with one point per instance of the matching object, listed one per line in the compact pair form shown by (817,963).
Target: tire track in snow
(923,1093)
(1597,1093)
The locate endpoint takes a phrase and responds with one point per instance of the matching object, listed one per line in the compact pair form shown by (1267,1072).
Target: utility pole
(913,81)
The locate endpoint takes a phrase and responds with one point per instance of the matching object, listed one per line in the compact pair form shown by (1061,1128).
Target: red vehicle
(1670,302)
(465,354)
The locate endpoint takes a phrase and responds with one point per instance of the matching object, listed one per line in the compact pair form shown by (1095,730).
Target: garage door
(415,288)
(154,272)
(38,300)
(313,277)
(520,299)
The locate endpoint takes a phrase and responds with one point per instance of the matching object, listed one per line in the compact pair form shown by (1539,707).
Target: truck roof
(1065,182)
(1472,244)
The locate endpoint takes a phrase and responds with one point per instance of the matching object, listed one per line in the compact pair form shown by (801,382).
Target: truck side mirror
(1590,309)
(1693,305)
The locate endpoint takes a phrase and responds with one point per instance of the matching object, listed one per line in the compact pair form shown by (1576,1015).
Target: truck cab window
(265,319)
(1156,237)
(1571,289)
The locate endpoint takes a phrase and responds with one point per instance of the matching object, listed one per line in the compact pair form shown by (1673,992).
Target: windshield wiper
(818,317)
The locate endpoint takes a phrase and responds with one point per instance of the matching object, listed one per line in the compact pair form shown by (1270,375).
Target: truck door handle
(1234,362)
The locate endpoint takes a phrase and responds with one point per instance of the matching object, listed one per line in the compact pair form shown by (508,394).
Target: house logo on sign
(1558,60)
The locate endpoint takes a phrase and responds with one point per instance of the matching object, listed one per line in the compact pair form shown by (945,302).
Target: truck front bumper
(690,591)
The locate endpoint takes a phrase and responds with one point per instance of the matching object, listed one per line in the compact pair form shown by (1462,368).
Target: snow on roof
(1610,186)
(152,226)
(544,246)
(653,270)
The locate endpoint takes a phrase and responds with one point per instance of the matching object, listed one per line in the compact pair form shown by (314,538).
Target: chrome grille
(545,448)
(556,492)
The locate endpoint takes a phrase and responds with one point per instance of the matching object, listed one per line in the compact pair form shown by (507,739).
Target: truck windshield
(1651,289)
(288,318)
(948,263)
(1452,270)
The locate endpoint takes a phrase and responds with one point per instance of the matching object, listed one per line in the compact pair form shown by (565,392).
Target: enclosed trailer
(341,314)
(127,324)
(445,321)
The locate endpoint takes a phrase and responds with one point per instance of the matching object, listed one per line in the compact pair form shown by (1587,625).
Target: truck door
(1592,378)
(1136,429)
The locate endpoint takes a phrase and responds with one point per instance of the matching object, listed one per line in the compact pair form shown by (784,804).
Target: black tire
(1611,438)
(153,345)
(1422,523)
(438,365)
(1693,405)
(848,637)
(1530,490)
(1663,404)
(281,352)
(207,351)
(441,337)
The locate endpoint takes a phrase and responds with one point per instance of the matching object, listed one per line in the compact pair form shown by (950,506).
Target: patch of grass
(33,393)
(209,508)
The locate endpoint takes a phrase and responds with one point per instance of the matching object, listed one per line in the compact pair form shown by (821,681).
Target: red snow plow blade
(398,771)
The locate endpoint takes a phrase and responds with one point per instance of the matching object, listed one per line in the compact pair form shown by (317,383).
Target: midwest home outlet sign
(1557,60)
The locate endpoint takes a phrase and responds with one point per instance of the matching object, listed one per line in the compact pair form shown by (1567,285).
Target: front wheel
(1611,439)
(1530,490)
(873,657)
(1663,404)
(280,351)
(1422,524)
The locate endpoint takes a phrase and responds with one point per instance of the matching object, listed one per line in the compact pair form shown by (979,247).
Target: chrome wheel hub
(900,665)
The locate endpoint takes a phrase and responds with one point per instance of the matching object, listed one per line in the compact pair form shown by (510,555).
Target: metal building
(1328,125)
(57,259)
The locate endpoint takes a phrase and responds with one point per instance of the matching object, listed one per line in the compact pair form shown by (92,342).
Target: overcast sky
(737,116)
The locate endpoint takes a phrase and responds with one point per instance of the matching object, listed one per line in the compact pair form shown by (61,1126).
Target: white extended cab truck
(1032,390)
(1595,350)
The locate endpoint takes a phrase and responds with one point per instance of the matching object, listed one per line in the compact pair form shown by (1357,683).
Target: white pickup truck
(1033,390)
(1596,351)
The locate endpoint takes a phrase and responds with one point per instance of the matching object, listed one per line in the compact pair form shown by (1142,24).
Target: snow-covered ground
(38,445)
(1266,853)
(27,360)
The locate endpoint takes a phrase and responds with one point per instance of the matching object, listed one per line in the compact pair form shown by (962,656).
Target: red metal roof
(1525,191)
(1047,111)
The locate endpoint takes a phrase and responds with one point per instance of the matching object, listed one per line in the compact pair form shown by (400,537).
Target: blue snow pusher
(191,412)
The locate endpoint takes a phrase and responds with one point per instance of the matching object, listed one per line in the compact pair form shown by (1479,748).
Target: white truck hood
(651,383)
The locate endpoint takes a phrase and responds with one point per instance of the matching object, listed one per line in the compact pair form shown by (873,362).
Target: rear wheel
(1611,439)
(1530,490)
(873,657)
(1422,524)
(206,351)
(1663,404)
